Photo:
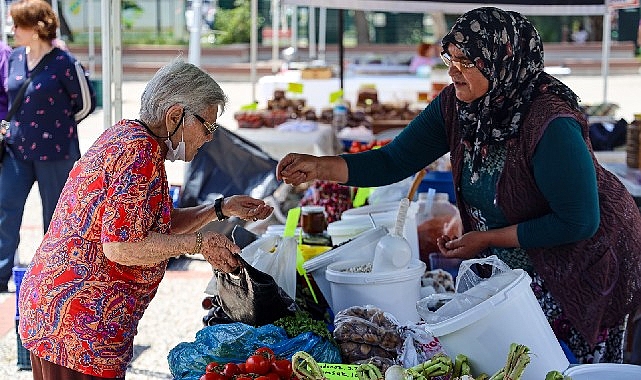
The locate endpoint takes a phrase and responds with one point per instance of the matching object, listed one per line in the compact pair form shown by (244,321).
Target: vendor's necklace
(149,129)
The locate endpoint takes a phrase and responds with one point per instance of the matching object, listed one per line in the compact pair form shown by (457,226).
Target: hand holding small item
(246,207)
(464,247)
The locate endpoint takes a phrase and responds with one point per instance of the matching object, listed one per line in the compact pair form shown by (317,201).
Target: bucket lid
(349,226)
(312,209)
(372,209)
(479,311)
(335,273)
(344,250)
(604,371)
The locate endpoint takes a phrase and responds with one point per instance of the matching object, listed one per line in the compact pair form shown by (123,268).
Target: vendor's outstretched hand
(246,207)
(220,252)
(295,168)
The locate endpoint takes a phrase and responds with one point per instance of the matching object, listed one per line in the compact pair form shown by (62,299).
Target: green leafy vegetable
(301,322)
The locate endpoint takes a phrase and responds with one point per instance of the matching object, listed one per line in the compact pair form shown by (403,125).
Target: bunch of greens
(301,322)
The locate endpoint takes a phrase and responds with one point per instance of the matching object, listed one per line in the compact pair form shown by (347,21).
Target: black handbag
(17,102)
(252,297)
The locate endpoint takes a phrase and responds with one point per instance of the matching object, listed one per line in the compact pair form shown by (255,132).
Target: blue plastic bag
(235,342)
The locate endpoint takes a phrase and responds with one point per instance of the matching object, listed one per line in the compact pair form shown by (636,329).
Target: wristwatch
(218,207)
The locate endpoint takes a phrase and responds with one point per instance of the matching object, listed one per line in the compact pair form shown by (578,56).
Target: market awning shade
(527,7)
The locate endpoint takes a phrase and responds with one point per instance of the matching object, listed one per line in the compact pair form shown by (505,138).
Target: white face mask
(179,152)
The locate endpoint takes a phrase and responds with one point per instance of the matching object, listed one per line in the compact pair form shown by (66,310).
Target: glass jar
(313,219)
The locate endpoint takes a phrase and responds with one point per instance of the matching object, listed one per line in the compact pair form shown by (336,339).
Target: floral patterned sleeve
(135,197)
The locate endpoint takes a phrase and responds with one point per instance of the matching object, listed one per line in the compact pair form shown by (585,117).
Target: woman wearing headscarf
(527,183)
(115,228)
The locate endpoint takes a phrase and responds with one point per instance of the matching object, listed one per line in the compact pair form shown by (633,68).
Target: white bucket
(604,371)
(360,248)
(485,332)
(343,230)
(394,292)
(384,214)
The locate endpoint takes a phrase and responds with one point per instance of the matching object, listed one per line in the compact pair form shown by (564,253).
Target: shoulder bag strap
(20,95)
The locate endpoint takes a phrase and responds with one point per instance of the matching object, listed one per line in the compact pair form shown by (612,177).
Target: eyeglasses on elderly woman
(460,65)
(211,127)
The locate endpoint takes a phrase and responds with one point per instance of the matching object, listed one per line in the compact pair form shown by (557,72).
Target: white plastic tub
(395,292)
(604,371)
(384,214)
(484,332)
(360,248)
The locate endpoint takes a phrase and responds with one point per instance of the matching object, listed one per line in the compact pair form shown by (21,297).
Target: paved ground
(175,314)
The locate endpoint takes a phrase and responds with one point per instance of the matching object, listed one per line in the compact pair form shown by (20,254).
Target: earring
(35,37)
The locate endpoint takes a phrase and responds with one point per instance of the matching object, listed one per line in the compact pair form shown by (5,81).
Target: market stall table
(316,92)
(278,143)
(614,162)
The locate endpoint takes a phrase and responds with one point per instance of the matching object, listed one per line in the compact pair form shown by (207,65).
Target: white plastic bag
(276,256)
(471,289)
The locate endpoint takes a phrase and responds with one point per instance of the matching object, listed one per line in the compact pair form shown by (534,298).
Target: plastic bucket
(441,181)
(604,371)
(395,292)
(484,332)
(361,248)
(450,265)
(384,214)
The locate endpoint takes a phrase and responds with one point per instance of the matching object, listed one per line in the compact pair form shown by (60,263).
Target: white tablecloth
(277,143)
(316,91)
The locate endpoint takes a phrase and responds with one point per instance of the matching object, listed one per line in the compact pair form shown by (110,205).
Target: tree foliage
(233,25)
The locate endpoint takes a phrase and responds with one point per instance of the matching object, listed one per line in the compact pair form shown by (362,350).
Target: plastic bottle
(339,117)
(440,218)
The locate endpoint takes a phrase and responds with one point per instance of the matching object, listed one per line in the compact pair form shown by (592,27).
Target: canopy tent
(526,7)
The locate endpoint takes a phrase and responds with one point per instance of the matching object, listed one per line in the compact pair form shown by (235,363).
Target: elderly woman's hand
(220,252)
(246,207)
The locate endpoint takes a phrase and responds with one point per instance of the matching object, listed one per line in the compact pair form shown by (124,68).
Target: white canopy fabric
(526,7)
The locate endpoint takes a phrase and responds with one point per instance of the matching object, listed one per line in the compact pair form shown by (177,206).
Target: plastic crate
(24,358)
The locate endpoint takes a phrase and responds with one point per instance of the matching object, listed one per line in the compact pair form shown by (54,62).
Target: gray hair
(179,82)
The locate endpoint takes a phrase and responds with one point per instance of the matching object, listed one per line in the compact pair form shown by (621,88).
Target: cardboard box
(316,73)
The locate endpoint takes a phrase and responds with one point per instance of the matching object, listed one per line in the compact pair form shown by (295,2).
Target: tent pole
(312,33)
(107,61)
(322,33)
(194,33)
(605,51)
(253,47)
(116,51)
(275,37)
(341,48)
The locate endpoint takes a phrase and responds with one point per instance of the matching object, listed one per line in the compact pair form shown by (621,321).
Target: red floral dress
(77,308)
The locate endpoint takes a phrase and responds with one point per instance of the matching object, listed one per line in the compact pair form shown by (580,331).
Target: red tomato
(243,377)
(213,376)
(241,368)
(266,352)
(257,364)
(268,376)
(230,370)
(211,367)
(283,368)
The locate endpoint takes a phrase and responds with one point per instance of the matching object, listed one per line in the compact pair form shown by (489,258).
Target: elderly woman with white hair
(114,229)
